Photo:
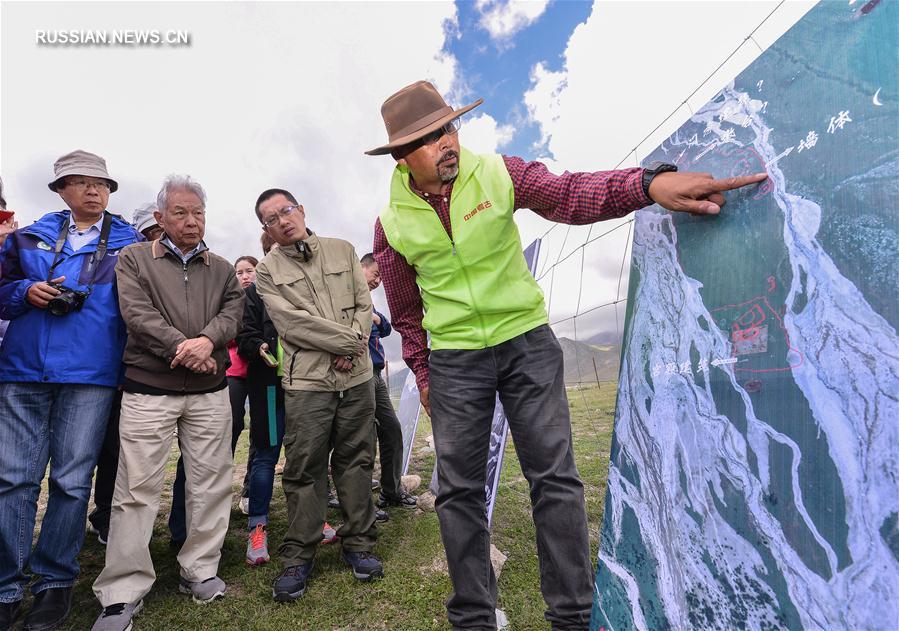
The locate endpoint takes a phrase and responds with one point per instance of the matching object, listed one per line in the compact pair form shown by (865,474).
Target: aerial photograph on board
(754,463)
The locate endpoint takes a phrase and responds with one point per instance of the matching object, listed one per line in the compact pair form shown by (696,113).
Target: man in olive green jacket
(316,294)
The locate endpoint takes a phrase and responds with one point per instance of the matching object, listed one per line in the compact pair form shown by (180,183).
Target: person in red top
(458,385)
(238,390)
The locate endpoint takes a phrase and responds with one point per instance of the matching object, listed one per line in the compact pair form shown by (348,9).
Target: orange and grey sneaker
(257,546)
(329,535)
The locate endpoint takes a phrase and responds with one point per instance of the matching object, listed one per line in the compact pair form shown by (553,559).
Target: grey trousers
(528,373)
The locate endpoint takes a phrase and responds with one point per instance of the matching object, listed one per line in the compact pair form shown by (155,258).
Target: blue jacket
(375,349)
(84,346)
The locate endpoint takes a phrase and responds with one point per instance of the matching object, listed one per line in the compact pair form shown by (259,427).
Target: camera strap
(96,258)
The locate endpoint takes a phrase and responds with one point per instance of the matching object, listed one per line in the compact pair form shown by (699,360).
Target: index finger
(730,183)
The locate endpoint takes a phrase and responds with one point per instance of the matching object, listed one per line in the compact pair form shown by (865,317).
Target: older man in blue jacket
(59,368)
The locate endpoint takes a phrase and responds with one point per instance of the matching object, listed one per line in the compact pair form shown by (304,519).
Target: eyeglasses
(83,185)
(449,129)
(283,212)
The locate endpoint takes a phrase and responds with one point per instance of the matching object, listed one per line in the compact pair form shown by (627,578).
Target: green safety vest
(476,289)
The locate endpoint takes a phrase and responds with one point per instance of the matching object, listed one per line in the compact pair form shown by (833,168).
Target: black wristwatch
(653,170)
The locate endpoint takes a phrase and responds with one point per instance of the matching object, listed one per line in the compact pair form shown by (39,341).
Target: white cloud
(269,94)
(623,74)
(503,20)
(542,100)
(483,135)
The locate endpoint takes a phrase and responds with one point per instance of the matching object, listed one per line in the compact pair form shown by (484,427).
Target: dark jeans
(107,465)
(317,423)
(528,373)
(237,393)
(390,440)
(43,423)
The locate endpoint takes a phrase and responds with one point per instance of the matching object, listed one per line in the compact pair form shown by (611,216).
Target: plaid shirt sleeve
(576,198)
(406,308)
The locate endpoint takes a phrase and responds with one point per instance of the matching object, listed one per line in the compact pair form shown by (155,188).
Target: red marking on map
(758,335)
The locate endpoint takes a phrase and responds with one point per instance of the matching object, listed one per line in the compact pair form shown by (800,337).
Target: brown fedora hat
(413,112)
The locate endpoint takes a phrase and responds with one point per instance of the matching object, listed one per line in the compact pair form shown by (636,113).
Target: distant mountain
(605,338)
(585,362)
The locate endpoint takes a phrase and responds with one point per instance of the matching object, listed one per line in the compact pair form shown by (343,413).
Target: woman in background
(238,389)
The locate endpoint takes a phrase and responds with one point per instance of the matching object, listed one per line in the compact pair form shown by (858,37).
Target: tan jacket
(321,308)
(165,301)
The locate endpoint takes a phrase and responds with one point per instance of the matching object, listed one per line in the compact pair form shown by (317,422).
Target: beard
(445,172)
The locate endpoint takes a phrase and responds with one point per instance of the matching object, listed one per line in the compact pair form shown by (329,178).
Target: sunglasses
(449,129)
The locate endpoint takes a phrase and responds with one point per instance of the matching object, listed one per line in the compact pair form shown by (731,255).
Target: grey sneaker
(117,617)
(257,546)
(333,501)
(203,591)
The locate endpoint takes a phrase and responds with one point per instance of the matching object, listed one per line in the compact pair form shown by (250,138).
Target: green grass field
(412,594)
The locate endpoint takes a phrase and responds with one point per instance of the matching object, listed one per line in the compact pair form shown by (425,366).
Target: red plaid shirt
(570,198)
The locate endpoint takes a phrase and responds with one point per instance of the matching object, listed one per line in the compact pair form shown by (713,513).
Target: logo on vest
(43,246)
(484,205)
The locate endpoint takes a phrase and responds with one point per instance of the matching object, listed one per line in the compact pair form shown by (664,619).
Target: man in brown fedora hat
(59,370)
(450,258)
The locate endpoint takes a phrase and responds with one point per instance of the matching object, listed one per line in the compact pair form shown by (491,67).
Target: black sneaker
(381,515)
(8,613)
(291,584)
(102,532)
(50,609)
(405,500)
(366,566)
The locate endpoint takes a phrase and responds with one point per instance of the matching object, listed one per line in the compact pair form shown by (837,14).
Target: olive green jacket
(321,309)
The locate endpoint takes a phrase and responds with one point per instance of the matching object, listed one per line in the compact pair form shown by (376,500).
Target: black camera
(67,301)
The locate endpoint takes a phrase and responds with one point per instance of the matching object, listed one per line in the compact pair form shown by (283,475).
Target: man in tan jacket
(181,305)
(315,292)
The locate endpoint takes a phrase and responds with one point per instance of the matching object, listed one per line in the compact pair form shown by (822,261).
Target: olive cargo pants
(316,424)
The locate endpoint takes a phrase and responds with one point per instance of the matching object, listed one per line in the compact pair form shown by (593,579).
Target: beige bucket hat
(81,162)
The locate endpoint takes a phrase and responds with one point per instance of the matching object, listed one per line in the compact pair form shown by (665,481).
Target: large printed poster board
(754,479)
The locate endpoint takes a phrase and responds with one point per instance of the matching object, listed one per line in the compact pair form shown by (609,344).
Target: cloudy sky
(288,95)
